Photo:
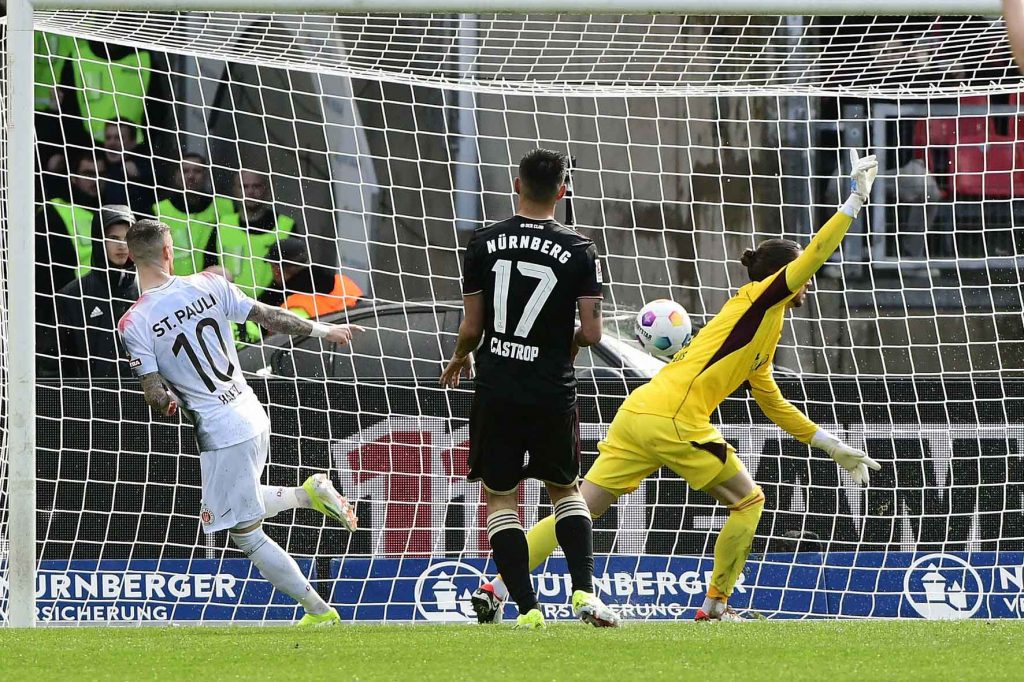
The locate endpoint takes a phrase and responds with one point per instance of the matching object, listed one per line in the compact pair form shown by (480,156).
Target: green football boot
(330,502)
(322,620)
(531,620)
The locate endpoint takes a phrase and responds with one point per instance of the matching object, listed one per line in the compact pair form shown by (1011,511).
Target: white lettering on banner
(134,585)
(641,584)
(100,613)
(378,463)
(627,611)
(1015,605)
(1011,578)
(442,591)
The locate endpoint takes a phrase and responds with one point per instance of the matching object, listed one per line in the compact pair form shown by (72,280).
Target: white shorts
(231,483)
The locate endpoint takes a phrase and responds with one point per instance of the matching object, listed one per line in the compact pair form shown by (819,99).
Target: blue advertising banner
(944,586)
(159,591)
(807,585)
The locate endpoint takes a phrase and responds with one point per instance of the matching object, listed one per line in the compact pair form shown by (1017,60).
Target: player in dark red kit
(524,280)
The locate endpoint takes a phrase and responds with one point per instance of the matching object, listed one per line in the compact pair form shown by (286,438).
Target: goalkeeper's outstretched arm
(769,398)
(771,401)
(828,238)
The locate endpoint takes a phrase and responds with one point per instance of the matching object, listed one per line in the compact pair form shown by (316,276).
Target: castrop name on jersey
(516,351)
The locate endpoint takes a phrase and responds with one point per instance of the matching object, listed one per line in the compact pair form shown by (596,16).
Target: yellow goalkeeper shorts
(637,445)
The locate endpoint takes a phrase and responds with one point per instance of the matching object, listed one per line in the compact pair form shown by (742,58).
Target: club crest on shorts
(206,515)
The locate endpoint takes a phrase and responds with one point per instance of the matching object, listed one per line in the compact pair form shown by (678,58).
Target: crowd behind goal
(107,155)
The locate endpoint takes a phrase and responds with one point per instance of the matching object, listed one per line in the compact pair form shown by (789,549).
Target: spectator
(51,57)
(308,290)
(914,194)
(64,239)
(88,308)
(292,273)
(111,82)
(53,138)
(64,242)
(129,177)
(193,213)
(245,239)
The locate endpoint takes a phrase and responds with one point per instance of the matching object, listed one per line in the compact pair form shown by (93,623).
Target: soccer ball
(662,327)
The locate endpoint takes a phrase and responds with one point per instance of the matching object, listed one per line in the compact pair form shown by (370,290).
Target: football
(662,327)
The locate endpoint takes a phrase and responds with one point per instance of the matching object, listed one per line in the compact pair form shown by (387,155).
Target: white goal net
(351,156)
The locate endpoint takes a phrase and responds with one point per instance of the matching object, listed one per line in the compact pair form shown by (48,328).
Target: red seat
(968,158)
(989,169)
(934,141)
(972,128)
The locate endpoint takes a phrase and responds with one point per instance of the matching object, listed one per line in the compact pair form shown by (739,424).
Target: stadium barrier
(930,585)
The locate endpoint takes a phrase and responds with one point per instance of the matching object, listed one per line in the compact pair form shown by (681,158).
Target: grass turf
(869,650)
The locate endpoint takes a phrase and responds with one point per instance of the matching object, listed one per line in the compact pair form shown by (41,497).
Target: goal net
(351,156)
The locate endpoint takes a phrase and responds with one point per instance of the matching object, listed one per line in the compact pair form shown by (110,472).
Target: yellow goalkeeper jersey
(738,346)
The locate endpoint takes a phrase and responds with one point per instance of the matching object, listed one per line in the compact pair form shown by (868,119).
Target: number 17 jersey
(182,329)
(531,274)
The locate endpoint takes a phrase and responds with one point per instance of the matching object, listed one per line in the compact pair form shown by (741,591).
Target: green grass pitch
(762,650)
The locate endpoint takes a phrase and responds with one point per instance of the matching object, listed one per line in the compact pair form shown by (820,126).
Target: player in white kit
(178,337)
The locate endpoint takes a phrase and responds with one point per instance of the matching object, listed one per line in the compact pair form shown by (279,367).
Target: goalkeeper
(668,421)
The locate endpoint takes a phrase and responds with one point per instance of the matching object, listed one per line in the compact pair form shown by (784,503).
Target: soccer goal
(340,161)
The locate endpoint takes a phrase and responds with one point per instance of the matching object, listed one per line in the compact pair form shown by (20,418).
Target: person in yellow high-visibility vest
(67,231)
(112,81)
(52,52)
(244,239)
(194,214)
(101,82)
(55,134)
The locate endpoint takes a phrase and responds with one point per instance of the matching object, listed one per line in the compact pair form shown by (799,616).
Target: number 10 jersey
(182,329)
(531,274)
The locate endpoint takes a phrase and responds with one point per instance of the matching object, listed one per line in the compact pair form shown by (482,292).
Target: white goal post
(19,186)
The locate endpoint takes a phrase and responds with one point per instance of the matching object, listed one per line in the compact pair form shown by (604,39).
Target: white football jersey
(182,329)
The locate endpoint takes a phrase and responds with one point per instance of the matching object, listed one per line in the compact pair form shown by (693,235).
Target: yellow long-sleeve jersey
(738,346)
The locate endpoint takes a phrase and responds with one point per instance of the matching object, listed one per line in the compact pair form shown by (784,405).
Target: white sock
(500,591)
(280,569)
(277,499)
(713,607)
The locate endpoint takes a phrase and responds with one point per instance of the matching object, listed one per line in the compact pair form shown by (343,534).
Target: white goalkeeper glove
(853,460)
(861,178)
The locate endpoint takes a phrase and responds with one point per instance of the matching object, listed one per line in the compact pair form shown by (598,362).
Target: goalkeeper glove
(861,178)
(853,460)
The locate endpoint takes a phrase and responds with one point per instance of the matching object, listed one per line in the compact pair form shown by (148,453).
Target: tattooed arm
(156,394)
(285,322)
